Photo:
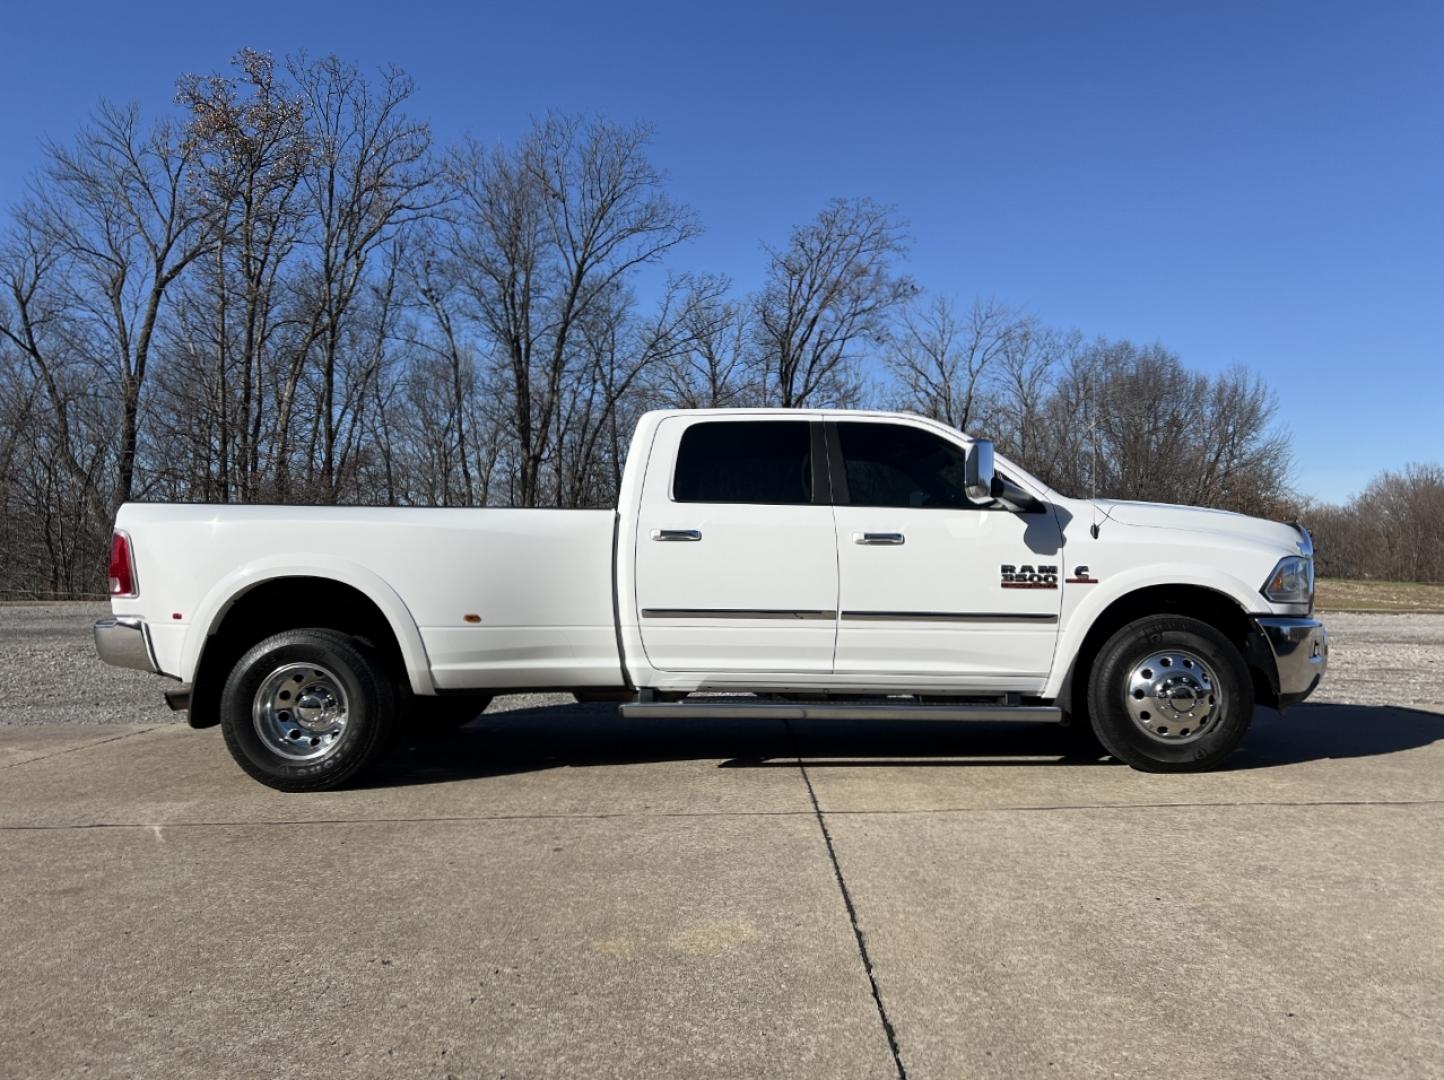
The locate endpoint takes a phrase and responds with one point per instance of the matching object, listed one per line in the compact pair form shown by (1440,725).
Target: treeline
(286,291)
(1393,531)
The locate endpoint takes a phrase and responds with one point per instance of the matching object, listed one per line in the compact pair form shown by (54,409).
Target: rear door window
(745,461)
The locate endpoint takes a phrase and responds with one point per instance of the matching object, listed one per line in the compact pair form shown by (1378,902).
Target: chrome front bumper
(123,641)
(1301,655)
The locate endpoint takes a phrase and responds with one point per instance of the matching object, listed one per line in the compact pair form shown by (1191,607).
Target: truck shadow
(575,736)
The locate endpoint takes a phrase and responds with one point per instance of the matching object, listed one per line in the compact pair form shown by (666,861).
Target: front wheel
(1170,694)
(307,710)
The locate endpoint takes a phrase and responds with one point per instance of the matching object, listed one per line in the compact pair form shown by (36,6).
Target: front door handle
(676,534)
(879,538)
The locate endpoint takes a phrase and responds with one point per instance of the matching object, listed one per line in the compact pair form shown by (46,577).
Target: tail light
(123,584)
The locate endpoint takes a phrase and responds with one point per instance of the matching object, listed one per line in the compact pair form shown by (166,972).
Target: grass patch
(1401,597)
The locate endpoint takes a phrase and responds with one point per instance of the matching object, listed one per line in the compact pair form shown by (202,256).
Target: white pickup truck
(768,563)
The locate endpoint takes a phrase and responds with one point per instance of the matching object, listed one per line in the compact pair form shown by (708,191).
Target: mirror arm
(1014,499)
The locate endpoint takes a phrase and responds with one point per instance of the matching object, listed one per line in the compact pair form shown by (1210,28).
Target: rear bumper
(123,641)
(1300,650)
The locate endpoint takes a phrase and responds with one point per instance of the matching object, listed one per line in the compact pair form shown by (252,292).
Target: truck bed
(499,597)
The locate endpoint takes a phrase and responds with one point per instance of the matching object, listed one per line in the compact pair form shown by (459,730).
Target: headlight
(1292,581)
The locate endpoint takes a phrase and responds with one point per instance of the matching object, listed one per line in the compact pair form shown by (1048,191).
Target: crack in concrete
(858,935)
(75,749)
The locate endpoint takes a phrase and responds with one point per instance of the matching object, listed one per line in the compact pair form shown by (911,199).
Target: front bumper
(123,641)
(1300,650)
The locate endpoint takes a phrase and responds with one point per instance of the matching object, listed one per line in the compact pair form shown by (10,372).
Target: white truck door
(924,581)
(736,566)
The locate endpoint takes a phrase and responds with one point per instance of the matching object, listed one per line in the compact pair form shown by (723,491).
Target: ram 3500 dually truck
(791,564)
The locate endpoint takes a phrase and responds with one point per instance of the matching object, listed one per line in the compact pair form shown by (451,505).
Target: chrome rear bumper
(124,641)
(1301,655)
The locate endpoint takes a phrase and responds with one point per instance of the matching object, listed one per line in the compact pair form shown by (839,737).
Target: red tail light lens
(122,568)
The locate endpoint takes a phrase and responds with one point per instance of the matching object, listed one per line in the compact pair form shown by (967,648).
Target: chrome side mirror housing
(978,470)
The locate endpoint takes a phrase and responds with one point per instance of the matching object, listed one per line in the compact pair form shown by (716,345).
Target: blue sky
(1256,183)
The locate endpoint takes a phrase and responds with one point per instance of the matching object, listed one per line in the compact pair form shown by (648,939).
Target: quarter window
(745,461)
(895,465)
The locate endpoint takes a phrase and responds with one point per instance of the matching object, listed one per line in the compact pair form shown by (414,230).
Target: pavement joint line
(1240,804)
(84,746)
(857,933)
(815,811)
(444,819)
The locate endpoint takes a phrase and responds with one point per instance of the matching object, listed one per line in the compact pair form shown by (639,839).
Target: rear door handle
(676,534)
(879,538)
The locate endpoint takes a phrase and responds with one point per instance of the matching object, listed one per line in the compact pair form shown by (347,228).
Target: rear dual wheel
(308,710)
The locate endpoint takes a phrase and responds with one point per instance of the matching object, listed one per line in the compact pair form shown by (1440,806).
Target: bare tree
(367,176)
(1034,383)
(712,367)
(250,138)
(619,349)
(943,362)
(1243,461)
(119,209)
(1347,541)
(57,428)
(35,321)
(1390,532)
(435,285)
(827,298)
(547,232)
(1118,420)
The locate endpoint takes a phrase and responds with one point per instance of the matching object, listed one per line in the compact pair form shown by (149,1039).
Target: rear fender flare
(217,602)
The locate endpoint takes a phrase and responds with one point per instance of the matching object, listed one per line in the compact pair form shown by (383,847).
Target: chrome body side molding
(950,616)
(733,613)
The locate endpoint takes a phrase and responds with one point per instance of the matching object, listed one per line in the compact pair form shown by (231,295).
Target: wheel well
(271,607)
(1197,602)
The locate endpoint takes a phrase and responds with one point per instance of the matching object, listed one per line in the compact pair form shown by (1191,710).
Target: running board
(822,710)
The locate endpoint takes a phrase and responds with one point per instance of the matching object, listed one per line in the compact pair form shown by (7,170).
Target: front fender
(1083,605)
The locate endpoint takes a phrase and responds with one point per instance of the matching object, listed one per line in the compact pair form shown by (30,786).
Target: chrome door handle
(879,538)
(676,534)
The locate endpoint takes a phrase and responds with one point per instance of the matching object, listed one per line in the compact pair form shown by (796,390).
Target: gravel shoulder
(1377,659)
(49,672)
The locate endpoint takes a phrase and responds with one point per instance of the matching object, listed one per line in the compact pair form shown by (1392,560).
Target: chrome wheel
(299,712)
(1173,696)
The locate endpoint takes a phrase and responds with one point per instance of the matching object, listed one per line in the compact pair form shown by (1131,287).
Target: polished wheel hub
(300,712)
(1173,696)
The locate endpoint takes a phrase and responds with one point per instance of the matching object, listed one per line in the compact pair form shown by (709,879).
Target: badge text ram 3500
(834,564)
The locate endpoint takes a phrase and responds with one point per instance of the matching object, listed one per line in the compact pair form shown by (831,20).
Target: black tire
(367,694)
(439,715)
(1185,728)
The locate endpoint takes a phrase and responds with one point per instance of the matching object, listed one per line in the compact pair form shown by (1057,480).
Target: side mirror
(978,470)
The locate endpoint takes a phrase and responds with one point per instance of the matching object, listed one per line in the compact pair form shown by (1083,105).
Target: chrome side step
(822,710)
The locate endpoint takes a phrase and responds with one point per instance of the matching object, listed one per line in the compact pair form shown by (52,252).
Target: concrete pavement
(555,892)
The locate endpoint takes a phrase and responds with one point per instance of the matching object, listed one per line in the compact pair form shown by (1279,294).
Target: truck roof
(656,415)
